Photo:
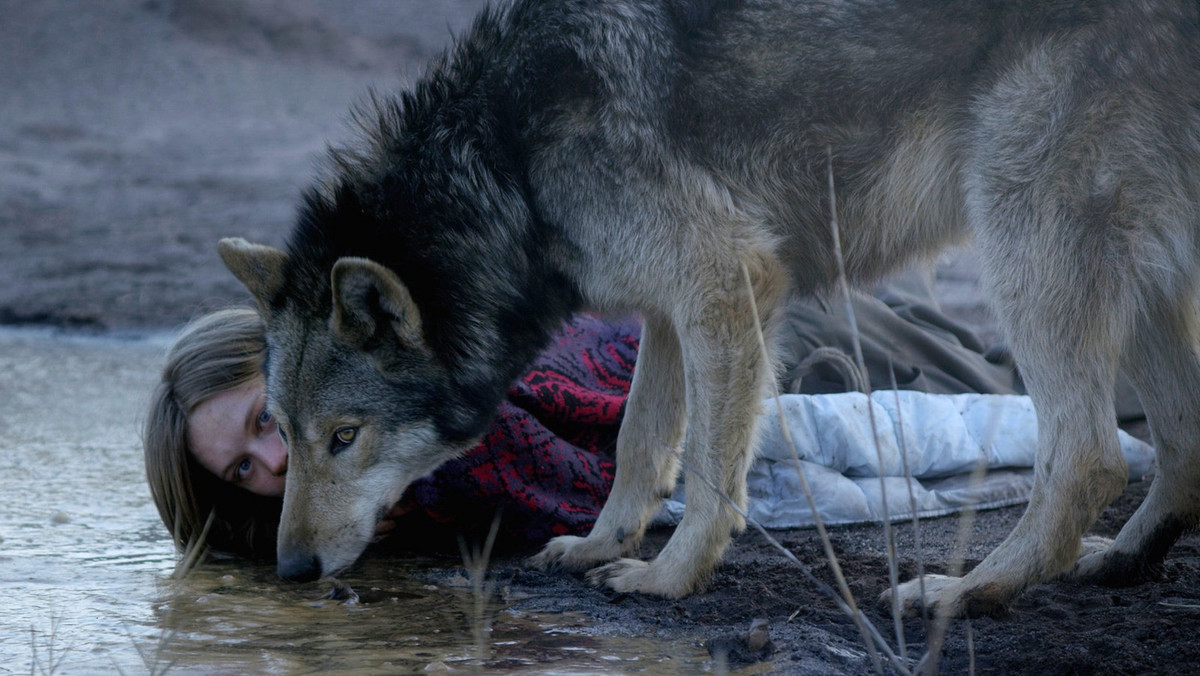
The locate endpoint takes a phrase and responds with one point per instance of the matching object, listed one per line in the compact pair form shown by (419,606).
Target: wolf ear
(368,300)
(259,267)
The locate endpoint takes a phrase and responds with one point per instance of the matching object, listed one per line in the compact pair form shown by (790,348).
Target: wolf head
(418,283)
(392,338)
(356,393)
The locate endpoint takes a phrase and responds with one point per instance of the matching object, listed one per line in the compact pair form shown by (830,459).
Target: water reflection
(240,618)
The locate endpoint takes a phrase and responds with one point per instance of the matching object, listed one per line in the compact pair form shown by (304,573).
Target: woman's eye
(243,468)
(343,437)
(264,418)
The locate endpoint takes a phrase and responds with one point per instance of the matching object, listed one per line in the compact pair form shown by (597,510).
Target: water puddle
(240,619)
(88,567)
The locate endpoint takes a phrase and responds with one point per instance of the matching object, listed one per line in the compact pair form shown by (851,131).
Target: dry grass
(878,649)
(475,561)
(152,656)
(844,285)
(871,638)
(52,656)
(196,549)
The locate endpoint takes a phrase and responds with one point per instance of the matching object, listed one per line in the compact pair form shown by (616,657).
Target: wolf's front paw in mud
(632,575)
(944,596)
(1100,564)
(574,553)
(937,591)
(1093,551)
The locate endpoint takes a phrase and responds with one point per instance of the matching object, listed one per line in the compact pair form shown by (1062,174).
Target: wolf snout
(299,567)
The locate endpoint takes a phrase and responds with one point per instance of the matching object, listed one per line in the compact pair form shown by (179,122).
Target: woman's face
(234,437)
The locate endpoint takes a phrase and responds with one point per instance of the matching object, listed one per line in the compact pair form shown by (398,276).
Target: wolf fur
(653,155)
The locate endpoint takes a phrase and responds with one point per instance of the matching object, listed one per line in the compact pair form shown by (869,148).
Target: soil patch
(1054,628)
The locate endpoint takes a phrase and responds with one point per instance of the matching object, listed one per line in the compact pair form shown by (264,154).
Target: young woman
(212,450)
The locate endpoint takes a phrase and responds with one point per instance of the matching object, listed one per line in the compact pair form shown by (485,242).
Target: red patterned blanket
(546,465)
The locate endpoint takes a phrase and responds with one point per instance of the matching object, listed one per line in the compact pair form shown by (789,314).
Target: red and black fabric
(546,465)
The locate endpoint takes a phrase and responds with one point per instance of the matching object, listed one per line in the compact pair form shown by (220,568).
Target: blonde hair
(215,353)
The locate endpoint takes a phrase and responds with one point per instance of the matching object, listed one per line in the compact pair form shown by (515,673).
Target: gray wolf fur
(648,154)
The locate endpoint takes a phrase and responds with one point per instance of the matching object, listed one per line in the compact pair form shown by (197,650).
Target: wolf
(686,159)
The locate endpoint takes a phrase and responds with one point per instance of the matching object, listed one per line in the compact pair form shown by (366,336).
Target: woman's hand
(387,524)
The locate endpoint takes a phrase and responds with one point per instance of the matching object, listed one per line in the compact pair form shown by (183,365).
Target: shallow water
(87,565)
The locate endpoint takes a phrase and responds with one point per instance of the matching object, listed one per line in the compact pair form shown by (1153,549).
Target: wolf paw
(1100,564)
(1093,553)
(940,592)
(633,576)
(573,553)
(944,596)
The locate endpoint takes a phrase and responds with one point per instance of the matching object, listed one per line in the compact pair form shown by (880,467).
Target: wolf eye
(342,437)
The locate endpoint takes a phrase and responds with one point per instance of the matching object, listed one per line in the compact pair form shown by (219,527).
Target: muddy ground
(134,134)
(1058,628)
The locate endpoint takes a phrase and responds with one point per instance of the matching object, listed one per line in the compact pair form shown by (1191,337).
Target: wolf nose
(299,568)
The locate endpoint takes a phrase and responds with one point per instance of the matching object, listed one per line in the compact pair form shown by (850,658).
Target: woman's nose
(275,455)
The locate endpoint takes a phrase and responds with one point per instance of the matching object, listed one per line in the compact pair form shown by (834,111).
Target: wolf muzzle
(298,566)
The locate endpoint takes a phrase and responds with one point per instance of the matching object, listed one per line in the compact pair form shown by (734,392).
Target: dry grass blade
(970,648)
(49,644)
(941,621)
(151,660)
(846,602)
(871,637)
(1183,606)
(196,549)
(475,561)
(844,284)
(912,504)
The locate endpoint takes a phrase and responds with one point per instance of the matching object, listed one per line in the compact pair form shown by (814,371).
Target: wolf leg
(726,371)
(1079,471)
(1164,364)
(1068,311)
(646,456)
